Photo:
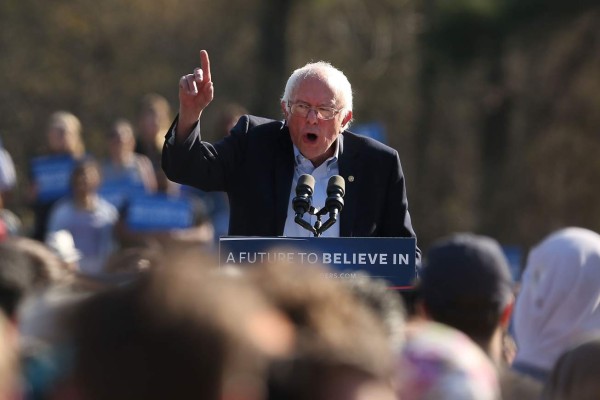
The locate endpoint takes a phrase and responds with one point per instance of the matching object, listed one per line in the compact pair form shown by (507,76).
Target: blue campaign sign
(52,175)
(117,192)
(374,130)
(159,212)
(392,259)
(514,256)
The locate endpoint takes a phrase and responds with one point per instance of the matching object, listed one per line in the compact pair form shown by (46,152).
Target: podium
(391,259)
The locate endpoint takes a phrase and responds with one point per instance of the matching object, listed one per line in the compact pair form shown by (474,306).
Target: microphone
(336,188)
(304,191)
(302,202)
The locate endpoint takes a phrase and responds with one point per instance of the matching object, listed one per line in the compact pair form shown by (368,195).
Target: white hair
(331,75)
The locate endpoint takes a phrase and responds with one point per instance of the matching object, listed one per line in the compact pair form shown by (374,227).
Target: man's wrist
(174,139)
(185,127)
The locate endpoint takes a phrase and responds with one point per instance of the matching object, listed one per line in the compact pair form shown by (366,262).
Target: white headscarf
(560,296)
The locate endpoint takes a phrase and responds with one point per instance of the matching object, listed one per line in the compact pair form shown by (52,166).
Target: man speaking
(260,163)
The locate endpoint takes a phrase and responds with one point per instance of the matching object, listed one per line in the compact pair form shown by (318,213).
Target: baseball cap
(466,266)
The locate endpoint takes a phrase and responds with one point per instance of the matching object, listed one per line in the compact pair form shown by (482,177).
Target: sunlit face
(121,141)
(315,138)
(61,139)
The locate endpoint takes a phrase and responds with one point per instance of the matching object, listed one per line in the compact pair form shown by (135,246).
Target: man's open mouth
(311,137)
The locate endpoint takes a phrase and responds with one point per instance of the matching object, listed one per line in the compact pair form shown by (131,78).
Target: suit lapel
(349,165)
(284,173)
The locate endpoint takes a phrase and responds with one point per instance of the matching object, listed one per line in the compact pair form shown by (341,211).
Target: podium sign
(392,259)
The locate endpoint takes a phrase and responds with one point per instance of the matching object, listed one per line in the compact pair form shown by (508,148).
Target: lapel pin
(351,178)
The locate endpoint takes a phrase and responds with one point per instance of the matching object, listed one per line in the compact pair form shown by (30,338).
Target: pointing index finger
(205,64)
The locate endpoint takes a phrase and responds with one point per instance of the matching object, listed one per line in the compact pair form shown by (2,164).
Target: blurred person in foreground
(54,285)
(40,272)
(52,294)
(178,332)
(342,350)
(575,374)
(17,279)
(466,283)
(260,162)
(22,276)
(558,300)
(386,304)
(441,363)
(9,376)
(51,170)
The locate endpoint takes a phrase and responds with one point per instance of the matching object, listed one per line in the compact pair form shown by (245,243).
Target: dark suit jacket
(255,166)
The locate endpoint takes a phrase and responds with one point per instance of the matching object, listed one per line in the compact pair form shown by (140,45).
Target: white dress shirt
(321,174)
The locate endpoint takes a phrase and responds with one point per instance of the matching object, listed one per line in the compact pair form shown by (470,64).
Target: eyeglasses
(301,109)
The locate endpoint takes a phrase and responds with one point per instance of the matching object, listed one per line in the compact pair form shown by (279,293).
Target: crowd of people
(108,199)
(169,322)
(115,291)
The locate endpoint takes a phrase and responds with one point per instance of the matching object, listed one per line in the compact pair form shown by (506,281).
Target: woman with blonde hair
(64,134)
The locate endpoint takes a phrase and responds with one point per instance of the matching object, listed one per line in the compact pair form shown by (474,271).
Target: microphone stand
(333,205)
(329,223)
(305,224)
(319,227)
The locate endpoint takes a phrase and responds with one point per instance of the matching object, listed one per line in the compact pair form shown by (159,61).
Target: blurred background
(493,105)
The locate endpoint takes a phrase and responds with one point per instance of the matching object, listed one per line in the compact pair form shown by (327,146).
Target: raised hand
(196,91)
